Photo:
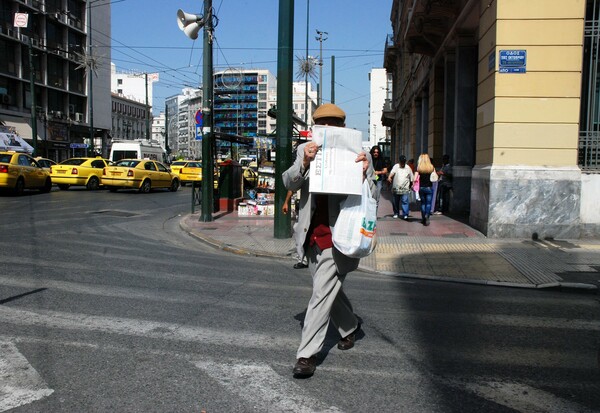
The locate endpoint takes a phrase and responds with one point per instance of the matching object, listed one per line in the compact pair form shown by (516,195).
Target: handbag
(354,231)
(434,176)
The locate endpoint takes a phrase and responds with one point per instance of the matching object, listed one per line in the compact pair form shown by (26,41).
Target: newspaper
(334,169)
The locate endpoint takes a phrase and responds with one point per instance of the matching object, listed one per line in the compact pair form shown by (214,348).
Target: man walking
(445,184)
(328,267)
(401,179)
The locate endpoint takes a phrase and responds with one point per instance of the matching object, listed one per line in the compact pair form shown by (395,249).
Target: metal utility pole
(285,53)
(322,36)
(90,93)
(332,79)
(148,137)
(207,116)
(33,103)
(306,73)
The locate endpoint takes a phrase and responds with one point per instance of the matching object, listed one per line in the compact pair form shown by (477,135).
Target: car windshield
(178,163)
(194,165)
(73,161)
(128,163)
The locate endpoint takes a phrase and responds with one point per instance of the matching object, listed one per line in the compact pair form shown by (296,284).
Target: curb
(576,287)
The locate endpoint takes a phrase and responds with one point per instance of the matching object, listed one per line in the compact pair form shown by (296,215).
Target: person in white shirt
(401,179)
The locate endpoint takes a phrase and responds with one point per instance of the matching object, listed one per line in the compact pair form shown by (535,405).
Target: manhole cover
(115,213)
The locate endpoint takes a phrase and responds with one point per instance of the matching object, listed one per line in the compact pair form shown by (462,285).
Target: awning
(20,126)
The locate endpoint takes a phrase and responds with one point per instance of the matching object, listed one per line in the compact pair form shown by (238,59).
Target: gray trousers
(328,301)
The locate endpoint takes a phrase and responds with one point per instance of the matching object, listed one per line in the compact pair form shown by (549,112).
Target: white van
(137,149)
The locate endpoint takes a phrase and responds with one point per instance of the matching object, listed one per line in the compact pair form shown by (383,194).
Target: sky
(145,38)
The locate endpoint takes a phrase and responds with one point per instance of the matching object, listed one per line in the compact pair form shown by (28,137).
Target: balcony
(428,23)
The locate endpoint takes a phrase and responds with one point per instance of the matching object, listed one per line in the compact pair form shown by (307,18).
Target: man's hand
(362,157)
(310,151)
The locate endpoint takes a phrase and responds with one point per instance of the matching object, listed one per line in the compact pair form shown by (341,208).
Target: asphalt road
(107,306)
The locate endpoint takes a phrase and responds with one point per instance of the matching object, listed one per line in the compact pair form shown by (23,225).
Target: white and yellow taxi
(78,172)
(190,172)
(177,165)
(141,174)
(19,171)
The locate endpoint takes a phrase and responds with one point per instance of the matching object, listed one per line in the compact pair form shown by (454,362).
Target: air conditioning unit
(71,109)
(79,117)
(5,99)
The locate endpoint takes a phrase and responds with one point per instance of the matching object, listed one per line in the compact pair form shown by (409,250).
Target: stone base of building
(526,202)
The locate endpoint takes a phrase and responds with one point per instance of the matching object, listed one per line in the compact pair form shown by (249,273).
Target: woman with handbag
(424,173)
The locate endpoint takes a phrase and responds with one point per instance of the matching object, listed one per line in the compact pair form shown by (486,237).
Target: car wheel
(47,186)
(93,183)
(19,186)
(146,186)
(174,185)
(64,187)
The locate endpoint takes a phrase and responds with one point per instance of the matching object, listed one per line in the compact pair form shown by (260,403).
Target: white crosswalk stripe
(20,383)
(264,388)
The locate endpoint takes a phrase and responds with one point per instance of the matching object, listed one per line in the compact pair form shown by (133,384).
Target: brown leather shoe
(347,342)
(305,367)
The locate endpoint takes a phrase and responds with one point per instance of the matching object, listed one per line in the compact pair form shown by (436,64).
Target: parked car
(45,163)
(19,171)
(141,174)
(79,172)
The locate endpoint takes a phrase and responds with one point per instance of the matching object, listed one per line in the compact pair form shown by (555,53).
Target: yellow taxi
(78,172)
(141,174)
(177,165)
(19,171)
(190,172)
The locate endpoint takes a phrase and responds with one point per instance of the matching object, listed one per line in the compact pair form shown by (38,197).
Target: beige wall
(531,118)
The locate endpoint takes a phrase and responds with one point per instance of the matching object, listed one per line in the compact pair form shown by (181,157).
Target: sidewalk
(446,250)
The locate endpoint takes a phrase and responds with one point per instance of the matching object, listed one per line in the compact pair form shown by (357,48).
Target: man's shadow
(331,338)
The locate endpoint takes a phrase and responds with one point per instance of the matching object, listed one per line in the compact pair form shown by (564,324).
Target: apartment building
(72,111)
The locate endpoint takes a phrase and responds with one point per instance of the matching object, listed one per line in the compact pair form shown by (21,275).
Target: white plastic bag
(354,231)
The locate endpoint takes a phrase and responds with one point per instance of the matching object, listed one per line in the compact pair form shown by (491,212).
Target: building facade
(72,109)
(509,91)
(379,90)
(129,118)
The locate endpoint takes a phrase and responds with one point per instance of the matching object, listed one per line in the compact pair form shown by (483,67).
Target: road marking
(523,398)
(263,387)
(20,383)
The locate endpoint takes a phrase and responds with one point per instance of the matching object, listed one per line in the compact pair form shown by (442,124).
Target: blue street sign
(78,145)
(199,118)
(198,132)
(513,61)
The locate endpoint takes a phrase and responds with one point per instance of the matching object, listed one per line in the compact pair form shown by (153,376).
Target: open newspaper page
(335,170)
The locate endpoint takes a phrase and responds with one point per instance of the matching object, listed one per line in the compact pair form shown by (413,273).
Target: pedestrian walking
(328,267)
(401,178)
(445,185)
(424,170)
(380,170)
